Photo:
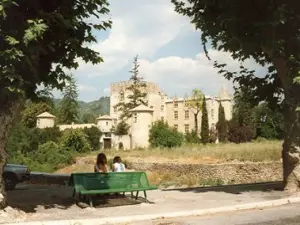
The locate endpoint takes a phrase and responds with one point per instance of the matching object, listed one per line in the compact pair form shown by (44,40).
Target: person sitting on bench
(118,166)
(101,164)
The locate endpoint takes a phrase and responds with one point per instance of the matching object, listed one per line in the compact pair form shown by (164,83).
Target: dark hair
(101,159)
(117,159)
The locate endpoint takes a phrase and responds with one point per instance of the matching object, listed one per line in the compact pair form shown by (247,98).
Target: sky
(169,49)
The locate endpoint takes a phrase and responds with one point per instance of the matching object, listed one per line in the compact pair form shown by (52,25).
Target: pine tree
(68,110)
(222,125)
(137,94)
(204,124)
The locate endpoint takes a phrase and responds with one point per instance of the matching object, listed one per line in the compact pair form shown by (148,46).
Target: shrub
(161,135)
(192,137)
(50,153)
(122,128)
(239,134)
(93,135)
(49,134)
(212,135)
(74,140)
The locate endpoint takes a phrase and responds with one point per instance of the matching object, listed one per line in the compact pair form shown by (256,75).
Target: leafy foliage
(269,122)
(122,128)
(161,135)
(194,103)
(68,108)
(222,125)
(204,124)
(192,137)
(74,140)
(32,110)
(239,133)
(137,94)
(93,135)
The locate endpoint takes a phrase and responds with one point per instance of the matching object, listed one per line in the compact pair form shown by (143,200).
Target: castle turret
(141,123)
(45,120)
(226,102)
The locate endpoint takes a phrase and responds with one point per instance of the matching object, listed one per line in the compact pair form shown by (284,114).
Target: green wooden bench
(90,184)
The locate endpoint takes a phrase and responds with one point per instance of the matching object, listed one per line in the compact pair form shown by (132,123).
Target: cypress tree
(204,124)
(222,125)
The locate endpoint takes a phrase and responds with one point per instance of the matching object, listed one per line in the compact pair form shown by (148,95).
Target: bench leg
(90,200)
(131,194)
(73,195)
(137,195)
(145,195)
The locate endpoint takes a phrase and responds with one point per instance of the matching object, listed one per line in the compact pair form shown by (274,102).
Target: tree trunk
(291,145)
(196,122)
(9,111)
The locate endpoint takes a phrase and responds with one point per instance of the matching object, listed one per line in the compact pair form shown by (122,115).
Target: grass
(212,153)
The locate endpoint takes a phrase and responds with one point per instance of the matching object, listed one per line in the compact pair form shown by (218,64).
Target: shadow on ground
(38,197)
(236,188)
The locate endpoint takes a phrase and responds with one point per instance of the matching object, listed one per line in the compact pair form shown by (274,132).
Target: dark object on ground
(14,174)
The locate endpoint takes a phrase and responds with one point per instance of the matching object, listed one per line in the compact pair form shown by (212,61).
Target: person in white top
(118,166)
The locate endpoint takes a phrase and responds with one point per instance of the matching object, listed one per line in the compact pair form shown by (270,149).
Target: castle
(175,111)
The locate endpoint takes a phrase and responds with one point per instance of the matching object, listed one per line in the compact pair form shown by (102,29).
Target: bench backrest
(110,180)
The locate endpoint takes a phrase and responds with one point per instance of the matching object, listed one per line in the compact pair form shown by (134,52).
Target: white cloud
(86,88)
(183,74)
(139,27)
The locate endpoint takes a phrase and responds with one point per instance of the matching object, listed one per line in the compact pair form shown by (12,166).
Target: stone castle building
(175,111)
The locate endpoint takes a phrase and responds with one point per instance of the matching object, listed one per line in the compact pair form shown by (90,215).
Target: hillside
(90,110)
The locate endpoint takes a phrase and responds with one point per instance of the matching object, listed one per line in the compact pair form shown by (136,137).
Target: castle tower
(105,123)
(226,102)
(141,123)
(45,120)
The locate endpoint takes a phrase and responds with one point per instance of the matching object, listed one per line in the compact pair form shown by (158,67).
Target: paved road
(283,215)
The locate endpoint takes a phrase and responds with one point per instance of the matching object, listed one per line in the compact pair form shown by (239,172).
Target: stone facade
(172,110)
(160,107)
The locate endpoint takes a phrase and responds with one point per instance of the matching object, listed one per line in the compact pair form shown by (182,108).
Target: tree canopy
(39,41)
(267,32)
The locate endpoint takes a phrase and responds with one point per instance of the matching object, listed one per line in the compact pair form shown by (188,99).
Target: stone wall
(230,173)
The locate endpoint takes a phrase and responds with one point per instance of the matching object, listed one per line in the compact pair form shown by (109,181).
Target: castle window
(162,118)
(162,107)
(115,109)
(135,118)
(106,123)
(186,128)
(186,114)
(176,126)
(212,114)
(175,104)
(176,115)
(122,96)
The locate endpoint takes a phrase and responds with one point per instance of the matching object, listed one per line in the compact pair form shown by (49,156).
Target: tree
(222,125)
(194,103)
(137,94)
(243,120)
(122,128)
(32,110)
(162,135)
(38,40)
(68,110)
(93,136)
(269,33)
(204,124)
(269,121)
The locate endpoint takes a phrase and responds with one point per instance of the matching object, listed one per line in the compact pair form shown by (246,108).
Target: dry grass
(166,179)
(220,153)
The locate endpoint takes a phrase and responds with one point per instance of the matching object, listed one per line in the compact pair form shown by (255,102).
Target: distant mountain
(90,110)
